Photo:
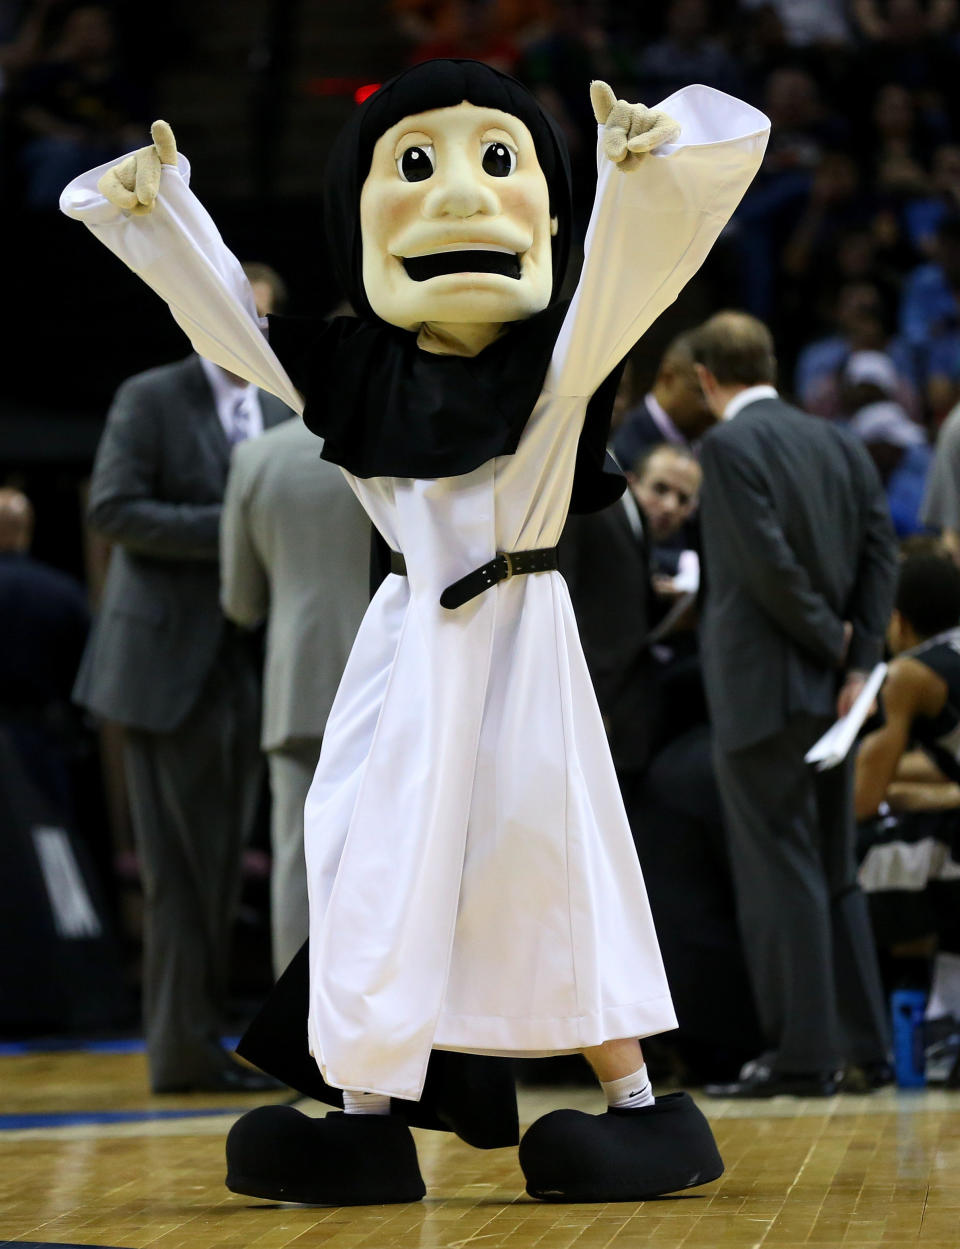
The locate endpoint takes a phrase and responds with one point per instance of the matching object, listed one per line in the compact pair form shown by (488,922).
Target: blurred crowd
(848,242)
(73,95)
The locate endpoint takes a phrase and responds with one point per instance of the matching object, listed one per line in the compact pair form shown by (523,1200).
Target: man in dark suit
(800,569)
(606,560)
(164,662)
(674,411)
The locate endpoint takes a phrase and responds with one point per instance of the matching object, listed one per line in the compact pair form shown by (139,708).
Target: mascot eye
(498,160)
(415,164)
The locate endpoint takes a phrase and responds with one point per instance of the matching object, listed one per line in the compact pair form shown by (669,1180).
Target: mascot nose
(459,192)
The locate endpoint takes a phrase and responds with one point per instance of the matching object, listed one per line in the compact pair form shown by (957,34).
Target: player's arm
(906,693)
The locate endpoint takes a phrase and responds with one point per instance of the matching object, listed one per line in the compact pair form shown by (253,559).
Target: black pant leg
(861,1005)
(192,797)
(783,899)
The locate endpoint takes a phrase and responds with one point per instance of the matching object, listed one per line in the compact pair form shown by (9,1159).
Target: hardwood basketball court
(88,1158)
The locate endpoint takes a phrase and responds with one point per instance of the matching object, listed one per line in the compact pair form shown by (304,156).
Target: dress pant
(804,923)
(291,771)
(193,799)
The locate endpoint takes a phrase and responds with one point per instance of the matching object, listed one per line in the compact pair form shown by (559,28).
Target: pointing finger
(602,99)
(164,141)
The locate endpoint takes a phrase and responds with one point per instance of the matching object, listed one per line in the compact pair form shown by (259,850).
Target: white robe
(473,881)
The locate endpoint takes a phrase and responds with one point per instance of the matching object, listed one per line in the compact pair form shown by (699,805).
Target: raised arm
(661,203)
(144,211)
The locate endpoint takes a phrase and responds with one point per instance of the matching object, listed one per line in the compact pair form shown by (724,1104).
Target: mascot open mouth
(462,260)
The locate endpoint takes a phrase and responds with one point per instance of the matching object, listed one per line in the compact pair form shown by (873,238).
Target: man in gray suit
(163,662)
(800,568)
(295,551)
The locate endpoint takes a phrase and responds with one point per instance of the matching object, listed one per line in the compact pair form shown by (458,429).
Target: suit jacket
(294,551)
(606,566)
(637,433)
(796,540)
(156,492)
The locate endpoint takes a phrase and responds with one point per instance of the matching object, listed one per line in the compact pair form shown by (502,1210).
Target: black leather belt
(507,564)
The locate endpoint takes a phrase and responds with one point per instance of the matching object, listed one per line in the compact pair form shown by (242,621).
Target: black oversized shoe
(279,1154)
(623,1155)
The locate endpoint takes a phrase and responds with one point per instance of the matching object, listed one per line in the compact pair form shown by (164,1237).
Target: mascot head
(448,200)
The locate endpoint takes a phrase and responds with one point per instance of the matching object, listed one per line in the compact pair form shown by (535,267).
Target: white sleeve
(651,230)
(179,253)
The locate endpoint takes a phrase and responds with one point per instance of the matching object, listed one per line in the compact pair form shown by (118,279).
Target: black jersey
(939,736)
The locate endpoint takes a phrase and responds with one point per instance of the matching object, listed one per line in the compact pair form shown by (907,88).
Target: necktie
(239,421)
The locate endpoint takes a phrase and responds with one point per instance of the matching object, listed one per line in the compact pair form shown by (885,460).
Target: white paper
(835,744)
(687,580)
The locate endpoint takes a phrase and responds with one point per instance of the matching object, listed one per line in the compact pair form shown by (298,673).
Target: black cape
(468,1094)
(385,408)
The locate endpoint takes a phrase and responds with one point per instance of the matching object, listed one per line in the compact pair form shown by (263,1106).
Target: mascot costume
(474,889)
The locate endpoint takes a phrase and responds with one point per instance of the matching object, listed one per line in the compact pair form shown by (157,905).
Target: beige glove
(629,130)
(134,183)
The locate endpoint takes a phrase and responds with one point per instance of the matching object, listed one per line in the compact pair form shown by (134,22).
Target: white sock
(629,1092)
(365,1103)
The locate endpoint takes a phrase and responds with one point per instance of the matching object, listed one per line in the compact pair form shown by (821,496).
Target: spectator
(294,554)
(674,410)
(835,204)
(860,320)
(924,213)
(802,130)
(45,625)
(465,28)
(941,505)
(898,147)
(21,37)
(906,42)
(686,53)
(808,22)
(63,968)
(77,107)
(568,48)
(899,449)
(163,662)
(929,307)
(800,566)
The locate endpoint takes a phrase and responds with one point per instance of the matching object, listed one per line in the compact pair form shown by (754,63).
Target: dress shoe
(867,1077)
(228,1077)
(757,1079)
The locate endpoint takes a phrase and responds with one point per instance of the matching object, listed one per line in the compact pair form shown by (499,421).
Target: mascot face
(455,220)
